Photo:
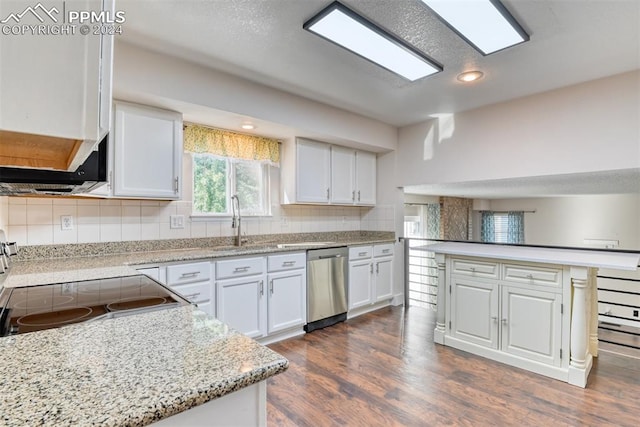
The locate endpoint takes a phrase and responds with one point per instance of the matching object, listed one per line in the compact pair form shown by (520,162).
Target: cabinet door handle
(353,195)
(192,296)
(358,195)
(176,184)
(271,286)
(261,287)
(190,274)
(377,268)
(504,321)
(328,194)
(494,318)
(371,268)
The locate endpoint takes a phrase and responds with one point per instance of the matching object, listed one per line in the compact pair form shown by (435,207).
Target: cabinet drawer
(188,273)
(360,252)
(532,275)
(383,250)
(488,270)
(239,267)
(195,292)
(286,261)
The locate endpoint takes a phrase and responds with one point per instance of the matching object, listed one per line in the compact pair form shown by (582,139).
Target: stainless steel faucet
(236,220)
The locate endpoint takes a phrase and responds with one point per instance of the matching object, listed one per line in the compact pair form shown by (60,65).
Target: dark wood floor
(383,369)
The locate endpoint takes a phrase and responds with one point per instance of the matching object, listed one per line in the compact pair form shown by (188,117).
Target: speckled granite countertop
(100,265)
(127,371)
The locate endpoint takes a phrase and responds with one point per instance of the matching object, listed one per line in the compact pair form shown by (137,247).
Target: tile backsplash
(37,221)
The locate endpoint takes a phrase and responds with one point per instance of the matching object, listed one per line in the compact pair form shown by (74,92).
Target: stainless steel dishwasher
(326,287)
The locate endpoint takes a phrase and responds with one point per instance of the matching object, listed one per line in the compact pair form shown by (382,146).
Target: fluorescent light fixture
(344,27)
(485,24)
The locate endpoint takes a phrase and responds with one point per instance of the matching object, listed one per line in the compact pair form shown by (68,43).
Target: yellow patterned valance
(224,143)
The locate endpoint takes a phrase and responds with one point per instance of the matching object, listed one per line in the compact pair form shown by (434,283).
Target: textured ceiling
(263,40)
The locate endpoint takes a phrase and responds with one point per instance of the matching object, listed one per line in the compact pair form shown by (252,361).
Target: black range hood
(91,174)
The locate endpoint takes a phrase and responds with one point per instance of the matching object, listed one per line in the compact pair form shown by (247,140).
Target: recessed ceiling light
(344,27)
(470,76)
(485,24)
(248,126)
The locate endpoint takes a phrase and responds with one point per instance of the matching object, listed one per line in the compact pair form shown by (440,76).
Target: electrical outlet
(66,222)
(176,221)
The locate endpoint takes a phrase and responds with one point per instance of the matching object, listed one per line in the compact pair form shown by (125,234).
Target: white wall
(594,126)
(142,74)
(567,221)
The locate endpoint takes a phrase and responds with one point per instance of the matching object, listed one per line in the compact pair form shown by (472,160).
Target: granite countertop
(126,371)
(99,265)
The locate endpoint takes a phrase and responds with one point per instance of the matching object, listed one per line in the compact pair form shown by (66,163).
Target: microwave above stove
(35,308)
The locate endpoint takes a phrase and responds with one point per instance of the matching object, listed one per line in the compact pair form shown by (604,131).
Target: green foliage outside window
(209,184)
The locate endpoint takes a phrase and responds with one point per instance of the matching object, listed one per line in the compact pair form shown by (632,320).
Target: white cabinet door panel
(242,304)
(343,189)
(365,178)
(147,152)
(384,278)
(531,325)
(313,171)
(474,312)
(287,300)
(360,274)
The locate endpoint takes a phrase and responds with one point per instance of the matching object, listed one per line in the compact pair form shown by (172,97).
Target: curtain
(515,227)
(202,139)
(488,227)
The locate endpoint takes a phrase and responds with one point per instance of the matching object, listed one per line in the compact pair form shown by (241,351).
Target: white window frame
(230,188)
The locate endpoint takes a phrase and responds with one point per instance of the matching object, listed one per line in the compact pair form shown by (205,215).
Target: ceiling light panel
(485,24)
(344,27)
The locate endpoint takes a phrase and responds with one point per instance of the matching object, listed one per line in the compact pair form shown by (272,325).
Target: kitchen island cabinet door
(287,300)
(531,324)
(147,152)
(242,304)
(474,311)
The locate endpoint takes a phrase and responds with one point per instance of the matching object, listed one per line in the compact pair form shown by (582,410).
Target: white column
(580,363)
(438,334)
(593,312)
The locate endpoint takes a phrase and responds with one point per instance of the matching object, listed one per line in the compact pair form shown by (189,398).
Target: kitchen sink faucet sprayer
(235,221)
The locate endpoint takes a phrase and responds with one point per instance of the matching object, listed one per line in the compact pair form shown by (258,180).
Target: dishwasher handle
(330,256)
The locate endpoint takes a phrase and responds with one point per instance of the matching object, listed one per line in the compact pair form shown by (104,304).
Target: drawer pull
(494,318)
(362,253)
(192,296)
(288,263)
(190,274)
(241,269)
(529,276)
(473,269)
(385,251)
(504,321)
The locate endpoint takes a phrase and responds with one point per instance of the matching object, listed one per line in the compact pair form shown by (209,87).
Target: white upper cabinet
(147,152)
(313,169)
(365,182)
(55,90)
(343,175)
(319,173)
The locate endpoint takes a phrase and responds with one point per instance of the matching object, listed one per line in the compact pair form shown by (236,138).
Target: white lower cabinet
(520,317)
(370,277)
(193,281)
(259,304)
(241,304)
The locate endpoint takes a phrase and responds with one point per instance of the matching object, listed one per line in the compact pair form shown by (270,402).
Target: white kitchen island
(531,307)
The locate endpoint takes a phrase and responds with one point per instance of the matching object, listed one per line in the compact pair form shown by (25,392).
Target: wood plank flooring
(383,369)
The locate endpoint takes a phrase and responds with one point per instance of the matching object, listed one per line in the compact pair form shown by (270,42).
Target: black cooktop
(34,308)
